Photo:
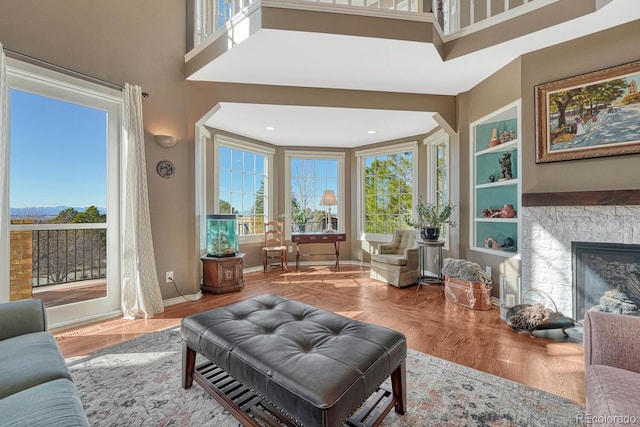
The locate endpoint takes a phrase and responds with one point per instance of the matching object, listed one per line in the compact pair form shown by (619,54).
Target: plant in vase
(300,219)
(298,214)
(431,218)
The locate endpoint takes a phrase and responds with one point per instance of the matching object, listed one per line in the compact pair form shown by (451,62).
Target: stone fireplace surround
(551,221)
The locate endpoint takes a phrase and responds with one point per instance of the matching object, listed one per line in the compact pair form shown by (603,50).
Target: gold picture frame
(590,115)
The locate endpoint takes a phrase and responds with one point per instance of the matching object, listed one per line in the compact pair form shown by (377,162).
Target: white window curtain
(140,288)
(4,179)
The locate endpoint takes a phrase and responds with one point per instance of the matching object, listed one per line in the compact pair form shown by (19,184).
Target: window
(438,155)
(64,190)
(387,188)
(224,12)
(242,177)
(309,175)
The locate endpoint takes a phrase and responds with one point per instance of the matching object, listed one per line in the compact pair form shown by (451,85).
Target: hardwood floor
(478,339)
(55,295)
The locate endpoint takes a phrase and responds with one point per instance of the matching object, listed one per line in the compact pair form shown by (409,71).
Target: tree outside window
(241,183)
(442,179)
(438,181)
(388,192)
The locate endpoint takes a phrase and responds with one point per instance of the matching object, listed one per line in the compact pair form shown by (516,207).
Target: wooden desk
(307,238)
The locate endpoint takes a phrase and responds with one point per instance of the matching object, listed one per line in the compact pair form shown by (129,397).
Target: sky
(58,153)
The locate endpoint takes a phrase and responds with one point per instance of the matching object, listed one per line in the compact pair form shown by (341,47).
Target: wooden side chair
(274,247)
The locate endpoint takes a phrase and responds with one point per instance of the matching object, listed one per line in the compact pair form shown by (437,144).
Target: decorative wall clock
(165,169)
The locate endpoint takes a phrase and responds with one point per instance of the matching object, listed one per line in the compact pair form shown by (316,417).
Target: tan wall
(605,49)
(143,43)
(493,93)
(518,80)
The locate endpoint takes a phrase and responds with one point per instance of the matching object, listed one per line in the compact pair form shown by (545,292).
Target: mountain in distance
(46,211)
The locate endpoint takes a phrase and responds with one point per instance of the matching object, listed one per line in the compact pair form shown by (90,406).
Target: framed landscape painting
(591,115)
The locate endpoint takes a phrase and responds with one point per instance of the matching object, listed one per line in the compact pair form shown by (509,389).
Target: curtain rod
(30,59)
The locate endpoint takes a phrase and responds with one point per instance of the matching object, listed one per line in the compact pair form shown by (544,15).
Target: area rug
(137,383)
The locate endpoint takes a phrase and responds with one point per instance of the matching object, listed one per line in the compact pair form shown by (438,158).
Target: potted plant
(432,217)
(298,215)
(300,219)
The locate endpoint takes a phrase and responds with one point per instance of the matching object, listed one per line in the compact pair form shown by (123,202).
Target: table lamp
(329,199)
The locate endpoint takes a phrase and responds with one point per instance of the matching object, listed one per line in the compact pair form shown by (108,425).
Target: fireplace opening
(606,277)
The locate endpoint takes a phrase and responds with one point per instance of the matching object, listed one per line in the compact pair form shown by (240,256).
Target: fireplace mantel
(582,198)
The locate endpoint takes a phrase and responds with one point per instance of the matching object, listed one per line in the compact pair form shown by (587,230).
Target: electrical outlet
(290,248)
(169,276)
(488,270)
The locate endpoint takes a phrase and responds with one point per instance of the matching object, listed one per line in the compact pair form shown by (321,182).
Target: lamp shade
(328,198)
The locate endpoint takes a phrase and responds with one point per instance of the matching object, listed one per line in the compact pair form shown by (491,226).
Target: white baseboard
(180,299)
(83,321)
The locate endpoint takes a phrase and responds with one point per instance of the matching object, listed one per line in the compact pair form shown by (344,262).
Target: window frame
(432,142)
(290,155)
(41,81)
(245,146)
(361,156)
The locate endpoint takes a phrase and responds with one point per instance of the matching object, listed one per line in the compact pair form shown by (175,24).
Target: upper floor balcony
(274,61)
(430,42)
(453,16)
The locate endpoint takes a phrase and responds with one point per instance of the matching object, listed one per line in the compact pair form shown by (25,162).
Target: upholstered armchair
(396,263)
(612,366)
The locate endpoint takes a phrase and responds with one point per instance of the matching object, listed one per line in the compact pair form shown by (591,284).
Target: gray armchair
(396,263)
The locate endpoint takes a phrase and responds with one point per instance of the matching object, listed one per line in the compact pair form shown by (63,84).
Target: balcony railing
(60,253)
(454,16)
(213,15)
(70,255)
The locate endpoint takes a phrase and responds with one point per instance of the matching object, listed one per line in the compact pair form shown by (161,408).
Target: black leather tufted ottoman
(294,363)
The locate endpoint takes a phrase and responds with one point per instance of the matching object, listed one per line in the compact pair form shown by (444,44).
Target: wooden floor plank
(478,339)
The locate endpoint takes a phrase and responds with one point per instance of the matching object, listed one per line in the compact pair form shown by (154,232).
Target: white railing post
(455,8)
(472,12)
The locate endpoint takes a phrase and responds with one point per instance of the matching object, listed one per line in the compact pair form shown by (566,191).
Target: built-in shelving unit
(492,189)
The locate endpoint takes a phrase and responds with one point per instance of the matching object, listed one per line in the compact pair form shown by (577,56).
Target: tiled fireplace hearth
(548,233)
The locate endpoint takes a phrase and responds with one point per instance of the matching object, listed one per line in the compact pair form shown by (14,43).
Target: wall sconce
(166,141)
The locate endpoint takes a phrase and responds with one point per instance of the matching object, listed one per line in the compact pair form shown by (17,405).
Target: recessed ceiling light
(270,128)
(371,132)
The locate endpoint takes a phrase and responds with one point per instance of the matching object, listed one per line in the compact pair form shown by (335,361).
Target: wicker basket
(473,295)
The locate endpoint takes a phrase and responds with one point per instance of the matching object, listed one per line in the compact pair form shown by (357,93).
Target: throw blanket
(465,270)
